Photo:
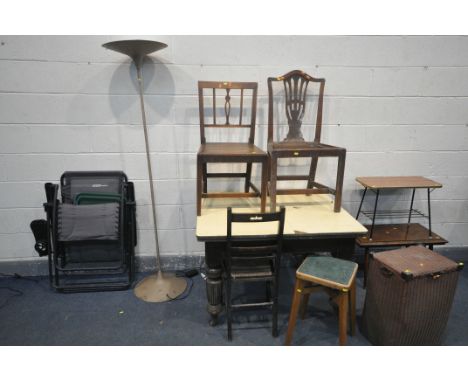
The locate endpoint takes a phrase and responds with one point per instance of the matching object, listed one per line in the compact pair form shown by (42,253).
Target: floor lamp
(161,286)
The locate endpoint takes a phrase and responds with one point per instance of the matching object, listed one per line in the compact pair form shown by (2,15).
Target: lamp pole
(161,286)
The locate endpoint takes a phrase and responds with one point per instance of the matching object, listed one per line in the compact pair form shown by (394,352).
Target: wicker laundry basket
(409,297)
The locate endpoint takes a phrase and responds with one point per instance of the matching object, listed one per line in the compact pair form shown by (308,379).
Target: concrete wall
(398,104)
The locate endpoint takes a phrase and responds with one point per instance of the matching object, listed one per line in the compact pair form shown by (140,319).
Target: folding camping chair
(90,233)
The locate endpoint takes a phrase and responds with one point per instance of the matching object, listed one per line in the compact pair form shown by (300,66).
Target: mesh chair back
(77,182)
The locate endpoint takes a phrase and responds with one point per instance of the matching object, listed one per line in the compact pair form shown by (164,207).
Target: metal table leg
(360,205)
(375,210)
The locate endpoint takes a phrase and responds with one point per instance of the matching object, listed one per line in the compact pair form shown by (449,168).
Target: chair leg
(263,186)
(273,180)
(199,185)
(248,176)
(228,308)
(352,308)
(312,171)
(339,180)
(343,315)
(275,309)
(294,310)
(205,178)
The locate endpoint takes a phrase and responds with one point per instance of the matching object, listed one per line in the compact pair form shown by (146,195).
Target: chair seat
(229,149)
(251,269)
(328,271)
(301,146)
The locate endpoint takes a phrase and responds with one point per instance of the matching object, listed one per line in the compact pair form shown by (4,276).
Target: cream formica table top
(307,216)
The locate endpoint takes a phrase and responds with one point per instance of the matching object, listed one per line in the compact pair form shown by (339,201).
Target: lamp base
(160,287)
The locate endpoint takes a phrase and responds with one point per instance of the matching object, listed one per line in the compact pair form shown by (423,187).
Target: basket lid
(416,261)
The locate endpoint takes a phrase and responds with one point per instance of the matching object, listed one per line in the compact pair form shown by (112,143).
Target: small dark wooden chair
(253,259)
(229,152)
(294,146)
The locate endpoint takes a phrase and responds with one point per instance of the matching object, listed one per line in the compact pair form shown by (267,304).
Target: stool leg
(294,310)
(304,303)
(352,307)
(343,315)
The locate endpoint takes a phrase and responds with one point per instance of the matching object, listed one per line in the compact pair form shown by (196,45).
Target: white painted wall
(398,104)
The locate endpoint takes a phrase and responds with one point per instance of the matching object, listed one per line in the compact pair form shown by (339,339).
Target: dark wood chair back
(231,92)
(296,85)
(255,248)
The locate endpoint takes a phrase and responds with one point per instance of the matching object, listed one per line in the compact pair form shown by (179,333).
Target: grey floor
(42,317)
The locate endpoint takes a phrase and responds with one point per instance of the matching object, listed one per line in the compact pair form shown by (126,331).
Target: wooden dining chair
(229,117)
(256,259)
(295,85)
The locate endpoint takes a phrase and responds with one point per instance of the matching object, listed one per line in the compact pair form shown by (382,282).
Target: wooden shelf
(395,182)
(388,235)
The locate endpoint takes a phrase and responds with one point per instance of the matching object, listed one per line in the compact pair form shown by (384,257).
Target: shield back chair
(229,152)
(253,259)
(296,84)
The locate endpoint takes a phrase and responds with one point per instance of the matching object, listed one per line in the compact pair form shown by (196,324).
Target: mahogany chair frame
(227,152)
(294,146)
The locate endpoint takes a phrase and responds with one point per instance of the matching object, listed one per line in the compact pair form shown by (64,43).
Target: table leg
(344,249)
(429,211)
(366,266)
(214,294)
(214,280)
(360,204)
(377,193)
(411,206)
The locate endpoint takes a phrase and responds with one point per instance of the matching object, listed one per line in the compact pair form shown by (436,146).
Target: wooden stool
(334,276)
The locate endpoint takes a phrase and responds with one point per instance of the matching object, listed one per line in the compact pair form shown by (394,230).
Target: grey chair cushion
(88,222)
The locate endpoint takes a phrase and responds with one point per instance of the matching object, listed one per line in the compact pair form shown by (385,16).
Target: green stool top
(328,271)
